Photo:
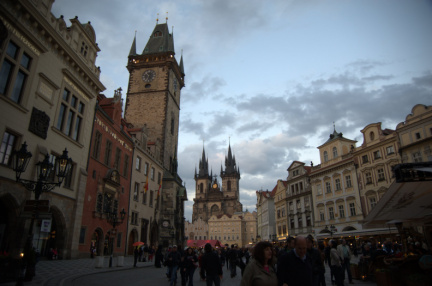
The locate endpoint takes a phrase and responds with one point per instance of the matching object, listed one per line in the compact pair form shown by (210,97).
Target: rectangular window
(306,202)
(417,157)
(159,177)
(14,72)
(365,159)
(146,168)
(97,145)
(381,176)
(348,181)
(298,204)
(292,223)
(300,222)
(70,115)
(338,184)
(119,239)
(390,150)
(152,174)
(138,164)
(352,209)
(308,221)
(319,190)
(418,135)
(117,159)
(291,207)
(126,166)
(7,147)
(377,154)
(341,211)
(284,229)
(279,230)
(322,218)
(331,213)
(328,187)
(368,178)
(108,149)
(67,183)
(372,202)
(82,235)
(136,192)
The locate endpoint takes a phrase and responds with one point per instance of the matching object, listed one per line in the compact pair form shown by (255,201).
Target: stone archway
(133,237)
(57,237)
(11,228)
(97,241)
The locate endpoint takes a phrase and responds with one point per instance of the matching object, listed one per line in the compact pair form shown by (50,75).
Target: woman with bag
(336,263)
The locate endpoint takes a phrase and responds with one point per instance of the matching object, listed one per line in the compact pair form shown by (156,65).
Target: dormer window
(325,156)
(84,49)
(372,136)
(157,34)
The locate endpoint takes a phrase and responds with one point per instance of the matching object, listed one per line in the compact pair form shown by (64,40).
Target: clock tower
(153,97)
(153,102)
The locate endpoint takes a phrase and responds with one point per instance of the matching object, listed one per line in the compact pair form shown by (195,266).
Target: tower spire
(132,51)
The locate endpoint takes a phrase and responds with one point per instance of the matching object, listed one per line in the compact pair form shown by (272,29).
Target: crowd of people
(301,261)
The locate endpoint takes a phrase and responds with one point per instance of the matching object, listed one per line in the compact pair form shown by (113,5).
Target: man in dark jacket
(295,269)
(317,263)
(233,257)
(211,267)
(174,259)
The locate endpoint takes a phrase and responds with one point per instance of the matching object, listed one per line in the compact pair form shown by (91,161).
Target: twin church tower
(212,198)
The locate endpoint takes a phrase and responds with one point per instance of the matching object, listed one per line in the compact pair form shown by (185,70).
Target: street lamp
(332,229)
(20,161)
(112,218)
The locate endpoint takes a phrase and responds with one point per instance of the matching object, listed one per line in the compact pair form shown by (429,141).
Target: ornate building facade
(153,102)
(48,89)
(213,198)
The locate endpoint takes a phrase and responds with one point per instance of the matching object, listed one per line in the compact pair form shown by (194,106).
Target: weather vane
(157,18)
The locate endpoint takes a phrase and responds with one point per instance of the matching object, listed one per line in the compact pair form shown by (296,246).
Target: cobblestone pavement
(64,272)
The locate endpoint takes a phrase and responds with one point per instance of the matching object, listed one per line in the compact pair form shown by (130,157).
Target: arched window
(229,185)
(372,136)
(201,187)
(335,152)
(325,156)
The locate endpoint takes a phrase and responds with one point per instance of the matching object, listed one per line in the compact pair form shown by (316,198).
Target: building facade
(299,200)
(336,198)
(375,159)
(153,102)
(266,213)
(281,217)
(145,194)
(108,186)
(212,198)
(415,135)
(197,230)
(48,92)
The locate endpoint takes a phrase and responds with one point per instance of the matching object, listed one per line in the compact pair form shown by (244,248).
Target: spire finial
(157,19)
(334,126)
(135,33)
(166,18)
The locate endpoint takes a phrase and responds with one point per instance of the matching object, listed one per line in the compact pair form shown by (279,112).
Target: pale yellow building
(336,198)
(239,228)
(281,216)
(145,206)
(48,92)
(415,135)
(374,159)
(197,230)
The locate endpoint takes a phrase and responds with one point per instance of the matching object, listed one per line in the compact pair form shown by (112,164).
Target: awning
(360,232)
(202,243)
(408,202)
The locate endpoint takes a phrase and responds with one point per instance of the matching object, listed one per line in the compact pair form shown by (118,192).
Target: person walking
(344,252)
(336,263)
(191,261)
(211,267)
(136,255)
(317,264)
(174,259)
(295,267)
(321,248)
(260,269)
(158,257)
(233,257)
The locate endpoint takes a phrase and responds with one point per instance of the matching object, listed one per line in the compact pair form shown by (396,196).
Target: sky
(272,78)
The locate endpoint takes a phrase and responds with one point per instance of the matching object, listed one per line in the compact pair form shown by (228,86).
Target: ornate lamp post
(112,218)
(20,161)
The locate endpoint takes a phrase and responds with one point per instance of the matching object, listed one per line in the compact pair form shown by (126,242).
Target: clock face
(165,223)
(214,186)
(148,75)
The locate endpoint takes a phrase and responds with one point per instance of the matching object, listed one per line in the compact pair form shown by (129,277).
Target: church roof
(160,40)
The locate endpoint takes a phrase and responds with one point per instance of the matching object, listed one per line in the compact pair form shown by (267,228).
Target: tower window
(172,126)
(157,34)
(229,185)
